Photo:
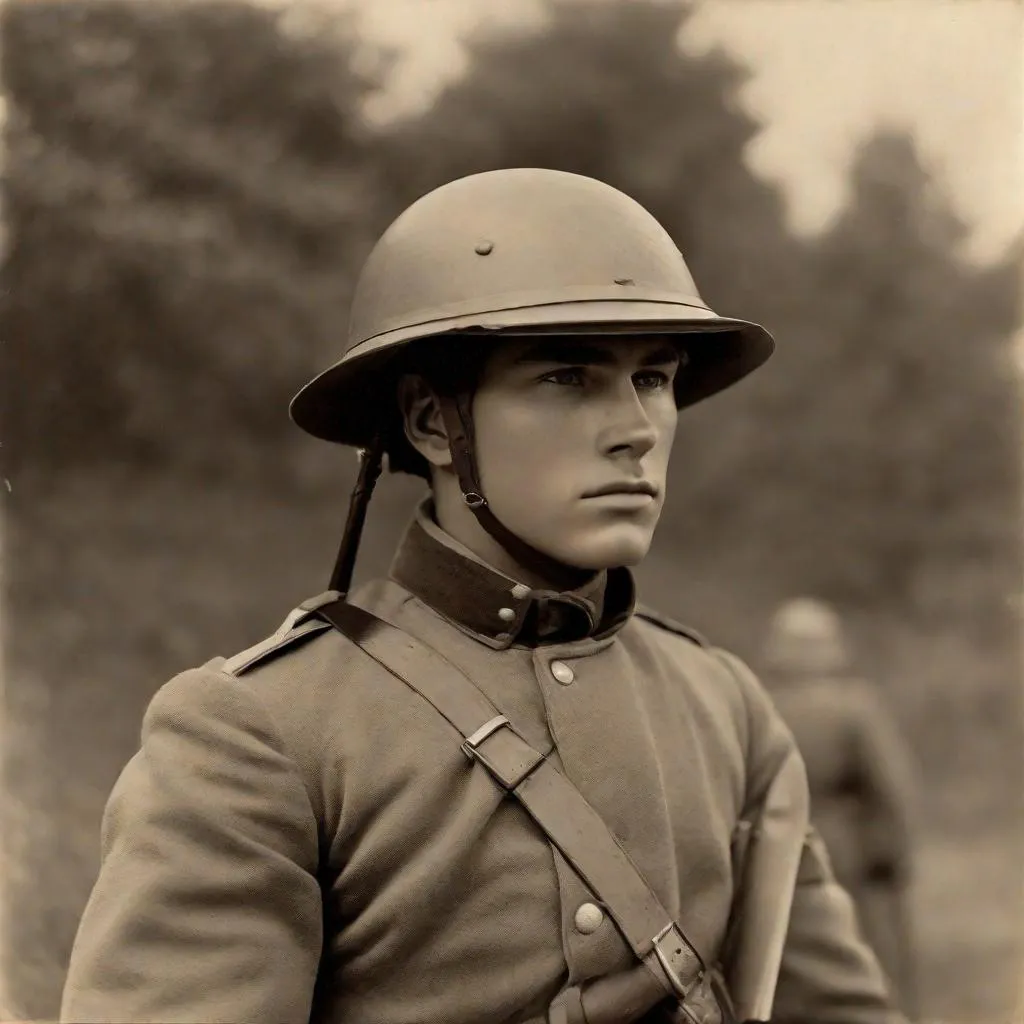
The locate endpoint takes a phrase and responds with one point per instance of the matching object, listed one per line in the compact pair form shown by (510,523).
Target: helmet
(806,635)
(512,251)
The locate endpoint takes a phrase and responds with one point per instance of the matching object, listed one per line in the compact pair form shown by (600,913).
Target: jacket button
(562,672)
(589,917)
(506,614)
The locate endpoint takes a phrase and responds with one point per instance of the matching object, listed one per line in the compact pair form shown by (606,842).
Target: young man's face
(573,438)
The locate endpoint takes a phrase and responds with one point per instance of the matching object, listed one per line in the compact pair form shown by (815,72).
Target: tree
(893,450)
(188,195)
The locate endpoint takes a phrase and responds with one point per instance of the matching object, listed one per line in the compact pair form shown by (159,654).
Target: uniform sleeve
(207,906)
(828,974)
(885,766)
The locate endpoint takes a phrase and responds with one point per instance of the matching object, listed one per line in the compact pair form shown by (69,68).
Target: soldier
(489,787)
(859,774)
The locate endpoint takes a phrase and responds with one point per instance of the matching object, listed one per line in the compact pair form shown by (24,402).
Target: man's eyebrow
(667,353)
(555,351)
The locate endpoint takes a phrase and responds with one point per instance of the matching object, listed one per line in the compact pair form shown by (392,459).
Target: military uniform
(858,774)
(300,837)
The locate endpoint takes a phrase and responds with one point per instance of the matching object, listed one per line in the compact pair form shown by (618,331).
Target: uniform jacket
(860,778)
(300,836)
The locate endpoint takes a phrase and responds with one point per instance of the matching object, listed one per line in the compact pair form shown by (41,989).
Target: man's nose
(630,427)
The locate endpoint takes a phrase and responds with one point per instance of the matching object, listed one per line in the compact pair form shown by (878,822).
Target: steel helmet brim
(344,404)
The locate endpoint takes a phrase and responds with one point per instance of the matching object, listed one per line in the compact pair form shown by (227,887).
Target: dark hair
(451,364)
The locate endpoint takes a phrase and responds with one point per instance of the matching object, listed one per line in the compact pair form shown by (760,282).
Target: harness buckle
(470,743)
(665,953)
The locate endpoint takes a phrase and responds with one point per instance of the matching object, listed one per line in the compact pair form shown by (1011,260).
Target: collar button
(562,672)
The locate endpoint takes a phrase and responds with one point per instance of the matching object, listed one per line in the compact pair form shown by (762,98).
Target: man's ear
(422,420)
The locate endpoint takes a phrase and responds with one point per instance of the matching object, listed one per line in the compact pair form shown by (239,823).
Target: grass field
(115,582)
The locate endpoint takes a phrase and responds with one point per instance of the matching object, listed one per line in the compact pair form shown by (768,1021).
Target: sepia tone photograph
(512,512)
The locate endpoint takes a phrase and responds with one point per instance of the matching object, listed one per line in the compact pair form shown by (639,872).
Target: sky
(824,74)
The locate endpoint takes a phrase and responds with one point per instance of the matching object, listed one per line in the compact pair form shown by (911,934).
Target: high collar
(495,608)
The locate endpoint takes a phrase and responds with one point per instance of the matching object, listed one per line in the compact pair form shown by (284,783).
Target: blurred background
(189,190)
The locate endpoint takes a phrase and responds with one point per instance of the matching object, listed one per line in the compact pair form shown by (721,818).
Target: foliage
(889,456)
(187,194)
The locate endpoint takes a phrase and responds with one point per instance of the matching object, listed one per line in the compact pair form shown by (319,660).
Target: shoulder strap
(551,800)
(300,623)
(650,615)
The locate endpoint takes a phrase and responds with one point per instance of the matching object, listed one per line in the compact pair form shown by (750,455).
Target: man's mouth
(624,487)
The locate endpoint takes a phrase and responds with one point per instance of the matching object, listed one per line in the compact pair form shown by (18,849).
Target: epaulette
(671,625)
(299,625)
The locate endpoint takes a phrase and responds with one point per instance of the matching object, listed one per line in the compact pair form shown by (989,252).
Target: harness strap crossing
(674,967)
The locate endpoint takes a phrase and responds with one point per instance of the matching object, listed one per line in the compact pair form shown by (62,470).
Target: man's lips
(624,487)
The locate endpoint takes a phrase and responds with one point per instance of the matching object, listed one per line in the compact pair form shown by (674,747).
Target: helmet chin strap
(370,460)
(455,411)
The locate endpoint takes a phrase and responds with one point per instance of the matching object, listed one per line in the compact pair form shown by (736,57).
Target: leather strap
(551,800)
(370,464)
(458,422)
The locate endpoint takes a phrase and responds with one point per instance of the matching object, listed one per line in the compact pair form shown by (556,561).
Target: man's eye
(569,377)
(652,380)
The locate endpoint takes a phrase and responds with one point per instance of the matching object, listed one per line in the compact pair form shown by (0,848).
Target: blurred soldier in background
(859,773)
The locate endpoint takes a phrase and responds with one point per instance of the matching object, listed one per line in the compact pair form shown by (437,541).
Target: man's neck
(457,521)
(458,583)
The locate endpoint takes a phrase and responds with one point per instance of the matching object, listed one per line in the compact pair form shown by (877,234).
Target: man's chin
(608,554)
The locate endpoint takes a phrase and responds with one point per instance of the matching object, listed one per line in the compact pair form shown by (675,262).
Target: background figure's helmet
(516,250)
(806,636)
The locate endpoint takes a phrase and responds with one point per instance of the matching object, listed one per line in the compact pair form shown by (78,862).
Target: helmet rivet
(483,248)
